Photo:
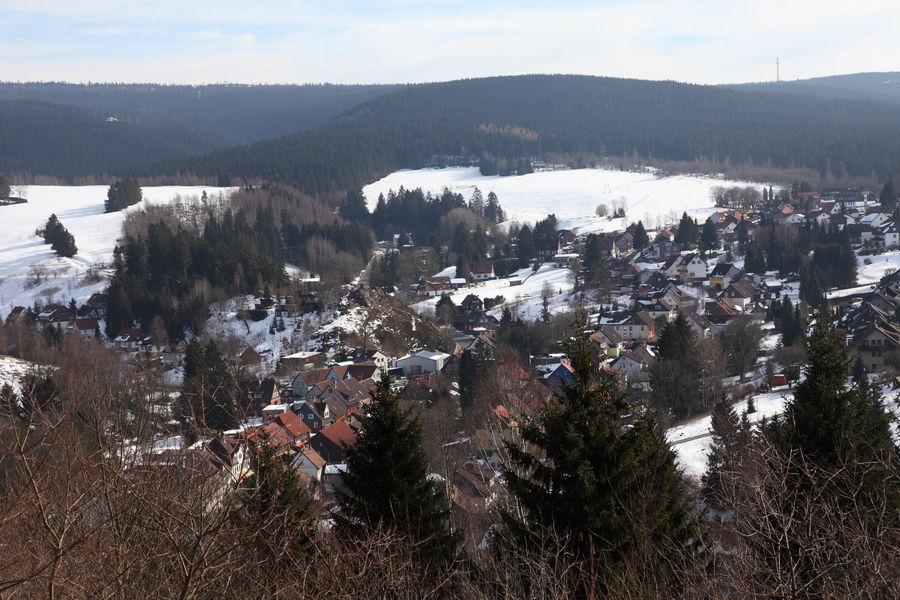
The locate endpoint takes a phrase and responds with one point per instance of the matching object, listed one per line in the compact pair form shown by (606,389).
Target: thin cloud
(702,41)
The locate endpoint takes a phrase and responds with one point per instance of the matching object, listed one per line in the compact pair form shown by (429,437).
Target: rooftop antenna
(777,70)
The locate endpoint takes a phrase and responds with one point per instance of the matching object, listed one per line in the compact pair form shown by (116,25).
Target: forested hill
(884,87)
(527,116)
(63,141)
(245,113)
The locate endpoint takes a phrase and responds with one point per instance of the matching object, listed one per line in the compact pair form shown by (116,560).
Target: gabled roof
(483,267)
(313,457)
(292,422)
(724,270)
(340,434)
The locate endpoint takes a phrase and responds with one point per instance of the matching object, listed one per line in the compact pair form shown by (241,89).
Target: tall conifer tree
(610,492)
(386,484)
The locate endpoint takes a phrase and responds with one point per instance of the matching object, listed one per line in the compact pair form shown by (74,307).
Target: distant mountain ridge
(527,116)
(880,86)
(240,113)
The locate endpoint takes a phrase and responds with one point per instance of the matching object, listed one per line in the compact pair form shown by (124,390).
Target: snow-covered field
(80,209)
(524,299)
(691,441)
(879,266)
(571,195)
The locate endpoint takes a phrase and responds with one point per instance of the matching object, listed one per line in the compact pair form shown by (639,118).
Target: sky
(398,41)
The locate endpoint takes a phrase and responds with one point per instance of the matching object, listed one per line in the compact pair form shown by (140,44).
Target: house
(304,381)
(272,435)
(482,271)
(614,342)
(250,357)
(891,235)
(565,260)
(566,237)
(719,312)
(629,364)
(471,304)
(430,288)
(723,274)
(55,315)
(670,267)
(310,462)
(700,324)
(559,377)
(739,293)
(874,343)
(656,307)
(694,267)
(16,314)
(874,219)
(257,394)
(474,487)
(95,307)
(663,249)
(772,287)
(87,328)
(634,326)
(332,441)
(300,361)
(131,339)
(547,249)
(422,362)
(294,426)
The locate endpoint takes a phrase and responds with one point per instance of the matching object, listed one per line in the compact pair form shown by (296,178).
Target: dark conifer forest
(529,116)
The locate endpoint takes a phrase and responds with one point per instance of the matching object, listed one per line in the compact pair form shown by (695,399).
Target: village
(301,391)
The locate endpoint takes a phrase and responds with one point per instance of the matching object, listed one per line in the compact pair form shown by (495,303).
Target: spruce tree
(640,240)
(742,232)
(609,492)
(709,239)
(839,427)
(277,510)
(730,438)
(355,207)
(675,375)
(888,197)
(386,485)
(687,231)
(209,388)
(525,246)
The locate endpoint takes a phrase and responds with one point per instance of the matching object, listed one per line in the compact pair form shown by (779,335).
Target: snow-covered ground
(12,370)
(691,441)
(80,210)
(572,195)
(524,299)
(879,266)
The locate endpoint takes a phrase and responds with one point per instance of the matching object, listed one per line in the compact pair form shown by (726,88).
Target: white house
(694,266)
(891,236)
(875,219)
(422,362)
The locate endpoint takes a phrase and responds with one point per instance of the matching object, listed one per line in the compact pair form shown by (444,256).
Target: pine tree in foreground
(731,436)
(842,430)
(608,492)
(277,510)
(386,485)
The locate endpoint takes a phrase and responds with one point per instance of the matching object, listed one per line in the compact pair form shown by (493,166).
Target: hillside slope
(240,113)
(527,116)
(50,139)
(883,86)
